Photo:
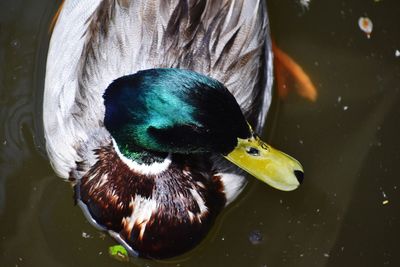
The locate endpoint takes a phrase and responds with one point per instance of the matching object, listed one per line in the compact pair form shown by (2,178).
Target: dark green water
(348,142)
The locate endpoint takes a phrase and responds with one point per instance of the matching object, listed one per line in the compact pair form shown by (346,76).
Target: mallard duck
(152,109)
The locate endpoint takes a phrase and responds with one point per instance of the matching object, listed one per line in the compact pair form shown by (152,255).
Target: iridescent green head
(173,110)
(180,111)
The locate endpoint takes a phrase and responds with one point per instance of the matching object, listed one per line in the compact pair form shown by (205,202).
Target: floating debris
(345,108)
(15,44)
(385,198)
(305,3)
(255,237)
(102,236)
(119,253)
(86,235)
(397,53)
(365,25)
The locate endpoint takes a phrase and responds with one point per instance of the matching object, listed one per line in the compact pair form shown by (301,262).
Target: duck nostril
(253,151)
(299,175)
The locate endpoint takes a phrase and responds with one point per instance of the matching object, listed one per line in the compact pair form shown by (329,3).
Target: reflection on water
(346,212)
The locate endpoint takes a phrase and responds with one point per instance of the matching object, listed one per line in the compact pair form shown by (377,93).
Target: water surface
(346,213)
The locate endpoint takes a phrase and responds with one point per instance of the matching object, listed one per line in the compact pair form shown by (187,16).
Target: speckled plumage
(95,42)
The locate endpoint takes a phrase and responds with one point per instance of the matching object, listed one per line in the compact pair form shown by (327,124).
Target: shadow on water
(346,212)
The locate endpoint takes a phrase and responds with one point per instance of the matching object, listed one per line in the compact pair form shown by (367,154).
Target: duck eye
(253,151)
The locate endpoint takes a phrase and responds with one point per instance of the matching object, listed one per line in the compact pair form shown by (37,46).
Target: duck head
(162,111)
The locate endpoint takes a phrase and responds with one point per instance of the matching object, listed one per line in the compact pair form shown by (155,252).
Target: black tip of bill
(299,175)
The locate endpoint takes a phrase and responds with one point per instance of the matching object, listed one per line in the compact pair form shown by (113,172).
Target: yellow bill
(267,164)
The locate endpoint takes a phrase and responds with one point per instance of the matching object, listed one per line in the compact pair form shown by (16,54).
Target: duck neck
(138,154)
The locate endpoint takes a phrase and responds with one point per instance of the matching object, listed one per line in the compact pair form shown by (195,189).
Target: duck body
(137,97)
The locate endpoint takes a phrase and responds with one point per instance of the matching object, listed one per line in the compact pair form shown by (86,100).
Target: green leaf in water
(119,253)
